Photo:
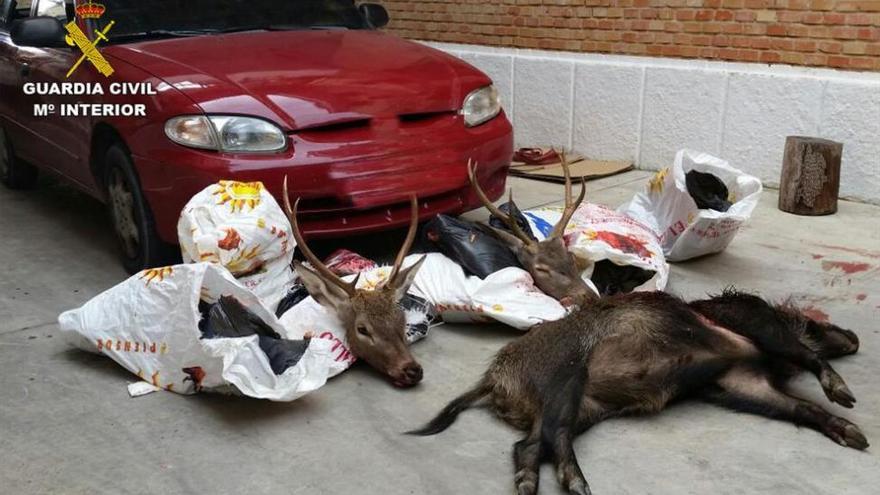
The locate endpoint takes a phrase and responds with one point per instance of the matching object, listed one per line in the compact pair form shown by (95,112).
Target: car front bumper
(349,184)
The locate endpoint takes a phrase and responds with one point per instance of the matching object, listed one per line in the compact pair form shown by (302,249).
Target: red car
(246,90)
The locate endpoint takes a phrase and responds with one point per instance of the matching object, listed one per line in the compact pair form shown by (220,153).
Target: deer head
(374,322)
(552,267)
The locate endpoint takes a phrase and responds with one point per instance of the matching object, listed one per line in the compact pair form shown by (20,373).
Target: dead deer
(552,266)
(374,322)
(634,354)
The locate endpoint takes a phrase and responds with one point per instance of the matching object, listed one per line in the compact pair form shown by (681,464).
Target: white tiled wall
(645,109)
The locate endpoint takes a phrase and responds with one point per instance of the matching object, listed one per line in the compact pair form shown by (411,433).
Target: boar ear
(328,295)
(401,284)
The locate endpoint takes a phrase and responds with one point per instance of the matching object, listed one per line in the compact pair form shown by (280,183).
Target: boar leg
(786,345)
(562,402)
(527,461)
(567,470)
(749,389)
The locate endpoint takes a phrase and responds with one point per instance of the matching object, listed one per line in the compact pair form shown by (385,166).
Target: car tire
(14,173)
(139,242)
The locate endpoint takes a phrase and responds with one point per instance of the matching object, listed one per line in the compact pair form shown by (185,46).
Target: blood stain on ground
(861,297)
(815,313)
(847,267)
(863,252)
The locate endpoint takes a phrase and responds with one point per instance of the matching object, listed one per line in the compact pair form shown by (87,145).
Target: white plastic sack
(240,226)
(149,325)
(508,296)
(596,233)
(686,231)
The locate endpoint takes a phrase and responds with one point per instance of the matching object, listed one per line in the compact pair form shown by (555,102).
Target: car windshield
(146,18)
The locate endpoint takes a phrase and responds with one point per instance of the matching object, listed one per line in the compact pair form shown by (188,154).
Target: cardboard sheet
(588,169)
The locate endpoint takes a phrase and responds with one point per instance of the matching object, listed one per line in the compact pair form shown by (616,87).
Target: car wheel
(14,173)
(139,242)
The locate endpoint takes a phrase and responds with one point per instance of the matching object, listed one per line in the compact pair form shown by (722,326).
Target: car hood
(304,79)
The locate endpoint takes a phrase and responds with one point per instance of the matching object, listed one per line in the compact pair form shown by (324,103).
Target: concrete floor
(68,426)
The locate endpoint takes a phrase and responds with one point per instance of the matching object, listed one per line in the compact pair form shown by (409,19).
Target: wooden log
(810,179)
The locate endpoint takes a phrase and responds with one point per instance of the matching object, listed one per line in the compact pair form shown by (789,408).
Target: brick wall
(829,33)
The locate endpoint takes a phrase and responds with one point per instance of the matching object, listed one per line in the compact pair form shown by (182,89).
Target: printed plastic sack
(508,296)
(470,245)
(597,233)
(239,225)
(307,317)
(685,230)
(344,262)
(149,324)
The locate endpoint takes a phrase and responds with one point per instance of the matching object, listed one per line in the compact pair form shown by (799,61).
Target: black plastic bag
(415,303)
(471,245)
(517,216)
(283,353)
(611,278)
(229,318)
(294,296)
(708,191)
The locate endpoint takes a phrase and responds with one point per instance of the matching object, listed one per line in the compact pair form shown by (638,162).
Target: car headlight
(481,105)
(225,133)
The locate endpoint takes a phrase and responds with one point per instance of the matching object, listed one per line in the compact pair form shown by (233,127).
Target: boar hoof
(853,339)
(579,487)
(526,488)
(846,433)
(526,482)
(835,388)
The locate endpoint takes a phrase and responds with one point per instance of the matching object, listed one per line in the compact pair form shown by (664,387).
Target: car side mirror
(375,14)
(42,32)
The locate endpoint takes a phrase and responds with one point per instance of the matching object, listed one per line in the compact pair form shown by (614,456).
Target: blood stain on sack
(196,375)
(625,243)
(847,267)
(861,297)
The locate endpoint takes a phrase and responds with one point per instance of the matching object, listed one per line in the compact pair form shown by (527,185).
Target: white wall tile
(606,110)
(682,110)
(761,111)
(851,115)
(542,89)
(738,111)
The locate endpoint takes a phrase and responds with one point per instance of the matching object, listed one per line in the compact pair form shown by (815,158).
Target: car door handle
(25,70)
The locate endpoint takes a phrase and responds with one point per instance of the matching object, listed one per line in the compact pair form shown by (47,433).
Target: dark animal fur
(635,353)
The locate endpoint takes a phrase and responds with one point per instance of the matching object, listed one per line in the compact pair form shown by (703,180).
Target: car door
(65,140)
(15,107)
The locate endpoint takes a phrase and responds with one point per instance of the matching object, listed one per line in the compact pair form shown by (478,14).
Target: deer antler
(325,273)
(407,243)
(494,210)
(570,207)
